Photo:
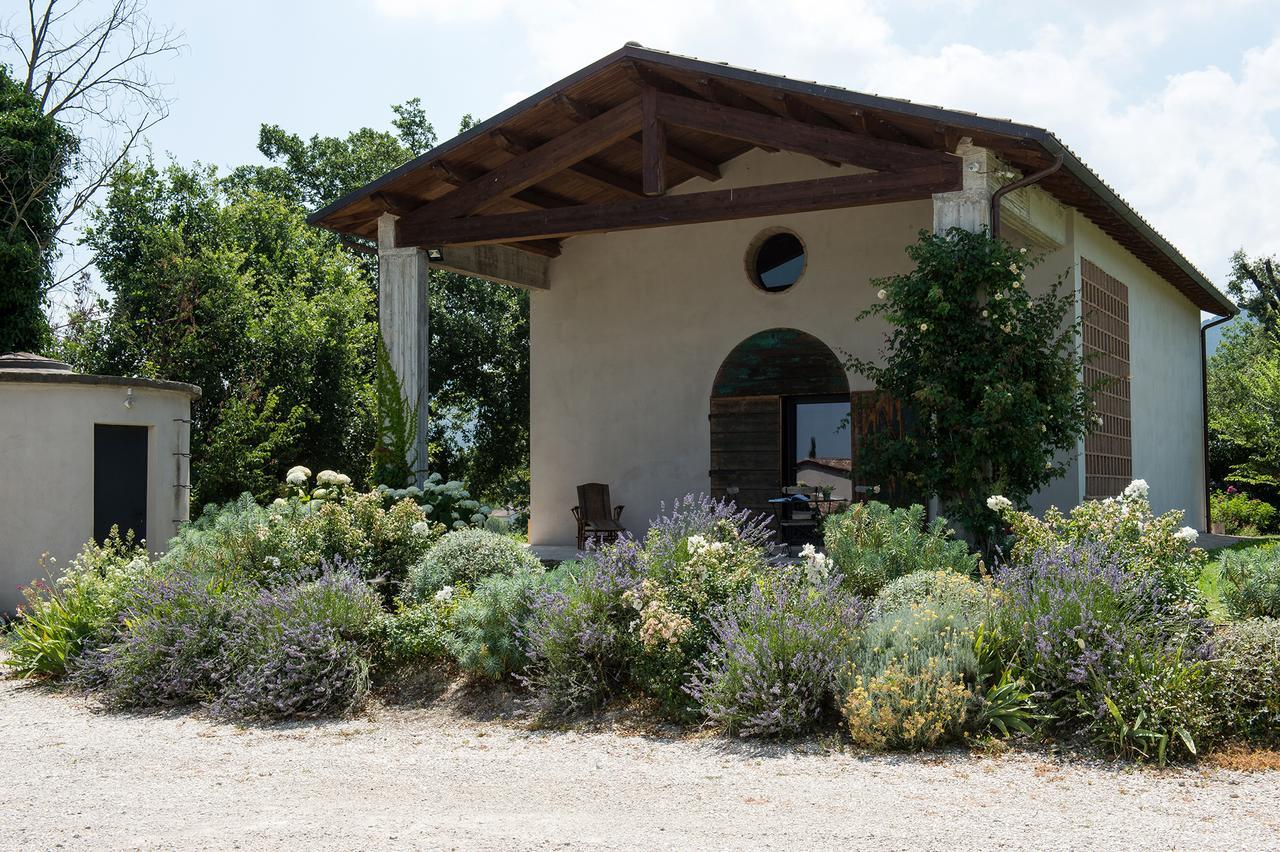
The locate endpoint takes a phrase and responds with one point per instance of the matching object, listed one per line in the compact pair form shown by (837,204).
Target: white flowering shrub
(1125,526)
(311,525)
(448,503)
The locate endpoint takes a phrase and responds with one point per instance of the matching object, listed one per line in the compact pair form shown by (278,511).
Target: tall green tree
(227,287)
(479,336)
(1244,407)
(1254,285)
(990,373)
(35,157)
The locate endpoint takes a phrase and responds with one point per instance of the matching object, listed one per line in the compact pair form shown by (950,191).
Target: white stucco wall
(626,343)
(46,455)
(1164,365)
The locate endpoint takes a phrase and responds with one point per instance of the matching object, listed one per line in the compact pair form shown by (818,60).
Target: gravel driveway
(436,778)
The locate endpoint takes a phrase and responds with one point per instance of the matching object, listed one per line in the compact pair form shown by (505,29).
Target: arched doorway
(780,414)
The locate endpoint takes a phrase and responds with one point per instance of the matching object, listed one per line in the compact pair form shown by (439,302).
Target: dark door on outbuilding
(119,480)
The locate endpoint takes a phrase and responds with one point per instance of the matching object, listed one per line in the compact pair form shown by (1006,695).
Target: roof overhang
(567,161)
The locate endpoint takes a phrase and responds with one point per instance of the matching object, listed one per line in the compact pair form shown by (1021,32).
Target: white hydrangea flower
(421,528)
(999,503)
(1187,534)
(478,519)
(320,494)
(279,502)
(1136,490)
(331,478)
(298,476)
(445,594)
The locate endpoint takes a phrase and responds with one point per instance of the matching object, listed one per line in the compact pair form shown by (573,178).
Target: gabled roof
(614,173)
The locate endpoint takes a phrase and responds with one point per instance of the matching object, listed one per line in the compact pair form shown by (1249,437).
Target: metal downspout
(1204,408)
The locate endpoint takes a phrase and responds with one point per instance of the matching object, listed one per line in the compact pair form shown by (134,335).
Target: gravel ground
(437,777)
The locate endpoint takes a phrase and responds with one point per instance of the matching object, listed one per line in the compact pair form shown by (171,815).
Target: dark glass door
(119,480)
(818,444)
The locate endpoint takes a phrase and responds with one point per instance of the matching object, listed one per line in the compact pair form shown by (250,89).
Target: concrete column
(404,320)
(970,207)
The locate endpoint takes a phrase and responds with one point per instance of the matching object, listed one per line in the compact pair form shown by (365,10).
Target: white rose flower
(1187,534)
(1136,490)
(883,294)
(924,326)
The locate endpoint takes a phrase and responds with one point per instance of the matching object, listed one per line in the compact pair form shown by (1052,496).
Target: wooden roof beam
(689,160)
(524,171)
(792,135)
(599,175)
(710,206)
(527,199)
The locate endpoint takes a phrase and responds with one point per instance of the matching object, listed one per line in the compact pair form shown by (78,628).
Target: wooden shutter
(746,449)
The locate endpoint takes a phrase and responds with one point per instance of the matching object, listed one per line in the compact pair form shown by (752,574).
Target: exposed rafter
(600,175)
(710,206)
(653,137)
(511,177)
(792,135)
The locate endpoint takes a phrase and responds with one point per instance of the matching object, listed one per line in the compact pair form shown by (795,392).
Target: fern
(395,453)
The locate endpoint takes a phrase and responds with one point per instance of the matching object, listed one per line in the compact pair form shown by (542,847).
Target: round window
(778,262)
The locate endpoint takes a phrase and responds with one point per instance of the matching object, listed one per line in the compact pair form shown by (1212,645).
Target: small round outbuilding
(80,454)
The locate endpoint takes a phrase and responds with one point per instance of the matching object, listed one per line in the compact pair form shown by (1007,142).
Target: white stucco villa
(698,240)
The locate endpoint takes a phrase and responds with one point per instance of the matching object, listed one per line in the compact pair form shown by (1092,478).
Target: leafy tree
(1244,406)
(227,287)
(35,152)
(992,375)
(1255,286)
(479,366)
(88,67)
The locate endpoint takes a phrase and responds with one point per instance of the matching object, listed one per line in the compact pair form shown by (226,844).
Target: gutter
(1204,407)
(999,194)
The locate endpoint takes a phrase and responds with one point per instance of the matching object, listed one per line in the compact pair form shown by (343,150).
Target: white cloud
(1196,152)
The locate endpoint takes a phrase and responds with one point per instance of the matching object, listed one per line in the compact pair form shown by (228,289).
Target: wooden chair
(596,516)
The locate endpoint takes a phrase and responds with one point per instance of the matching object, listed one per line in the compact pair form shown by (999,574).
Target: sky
(1175,103)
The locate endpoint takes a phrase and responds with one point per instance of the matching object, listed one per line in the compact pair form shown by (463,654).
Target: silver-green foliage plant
(872,544)
(1252,582)
(943,586)
(1247,675)
(909,682)
(483,637)
(463,558)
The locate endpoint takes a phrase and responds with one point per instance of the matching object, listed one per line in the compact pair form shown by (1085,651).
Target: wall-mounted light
(128,398)
(435,254)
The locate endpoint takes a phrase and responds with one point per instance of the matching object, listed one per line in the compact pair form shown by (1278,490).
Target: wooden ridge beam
(790,135)
(522,172)
(710,206)
(693,162)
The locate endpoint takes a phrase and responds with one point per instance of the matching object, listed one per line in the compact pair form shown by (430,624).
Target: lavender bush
(1112,657)
(578,637)
(168,648)
(774,656)
(300,649)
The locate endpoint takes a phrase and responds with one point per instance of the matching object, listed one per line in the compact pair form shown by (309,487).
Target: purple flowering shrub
(167,649)
(300,649)
(295,648)
(638,613)
(1111,656)
(775,654)
(577,635)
